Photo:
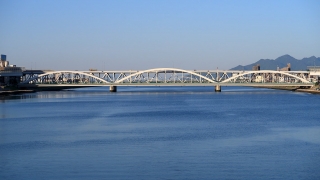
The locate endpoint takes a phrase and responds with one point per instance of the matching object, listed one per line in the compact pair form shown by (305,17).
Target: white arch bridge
(165,77)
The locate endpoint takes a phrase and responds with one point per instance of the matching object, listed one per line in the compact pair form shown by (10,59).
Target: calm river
(160,133)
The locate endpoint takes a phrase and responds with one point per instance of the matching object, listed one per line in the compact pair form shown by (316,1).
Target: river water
(160,133)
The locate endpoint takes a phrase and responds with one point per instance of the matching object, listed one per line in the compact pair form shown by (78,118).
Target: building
(314,73)
(10,75)
(256,67)
(3,61)
(313,68)
(3,57)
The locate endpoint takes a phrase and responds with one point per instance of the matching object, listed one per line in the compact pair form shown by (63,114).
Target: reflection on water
(72,93)
(160,133)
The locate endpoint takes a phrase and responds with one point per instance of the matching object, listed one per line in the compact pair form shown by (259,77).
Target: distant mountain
(282,61)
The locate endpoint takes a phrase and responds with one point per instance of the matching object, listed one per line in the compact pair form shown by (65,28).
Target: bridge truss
(170,77)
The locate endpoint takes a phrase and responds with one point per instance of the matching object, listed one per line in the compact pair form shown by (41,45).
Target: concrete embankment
(312,90)
(288,88)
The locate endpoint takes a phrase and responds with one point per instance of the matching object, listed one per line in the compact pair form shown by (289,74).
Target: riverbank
(312,90)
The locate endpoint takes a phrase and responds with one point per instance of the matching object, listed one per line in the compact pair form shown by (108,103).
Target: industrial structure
(287,68)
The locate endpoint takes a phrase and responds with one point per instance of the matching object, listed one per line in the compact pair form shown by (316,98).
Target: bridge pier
(113,88)
(218,88)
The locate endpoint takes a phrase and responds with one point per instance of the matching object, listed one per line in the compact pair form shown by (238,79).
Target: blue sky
(137,35)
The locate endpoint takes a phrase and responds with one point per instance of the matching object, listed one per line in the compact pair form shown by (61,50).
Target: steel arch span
(265,76)
(170,75)
(65,77)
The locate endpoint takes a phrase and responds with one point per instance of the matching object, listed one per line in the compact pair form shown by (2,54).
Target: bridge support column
(113,88)
(218,88)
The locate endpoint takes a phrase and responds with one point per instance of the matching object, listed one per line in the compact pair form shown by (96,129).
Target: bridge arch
(164,69)
(265,72)
(61,72)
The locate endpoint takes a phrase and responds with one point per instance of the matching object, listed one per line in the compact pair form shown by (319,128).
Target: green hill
(282,61)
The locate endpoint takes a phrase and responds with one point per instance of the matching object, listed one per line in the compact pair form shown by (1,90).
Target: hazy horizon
(123,35)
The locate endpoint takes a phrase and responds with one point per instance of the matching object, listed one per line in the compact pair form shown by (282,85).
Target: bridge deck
(169,84)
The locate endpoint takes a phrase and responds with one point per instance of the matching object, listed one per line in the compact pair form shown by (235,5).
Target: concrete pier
(218,88)
(113,88)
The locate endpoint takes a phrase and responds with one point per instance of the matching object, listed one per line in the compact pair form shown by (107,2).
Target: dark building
(3,57)
(9,75)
